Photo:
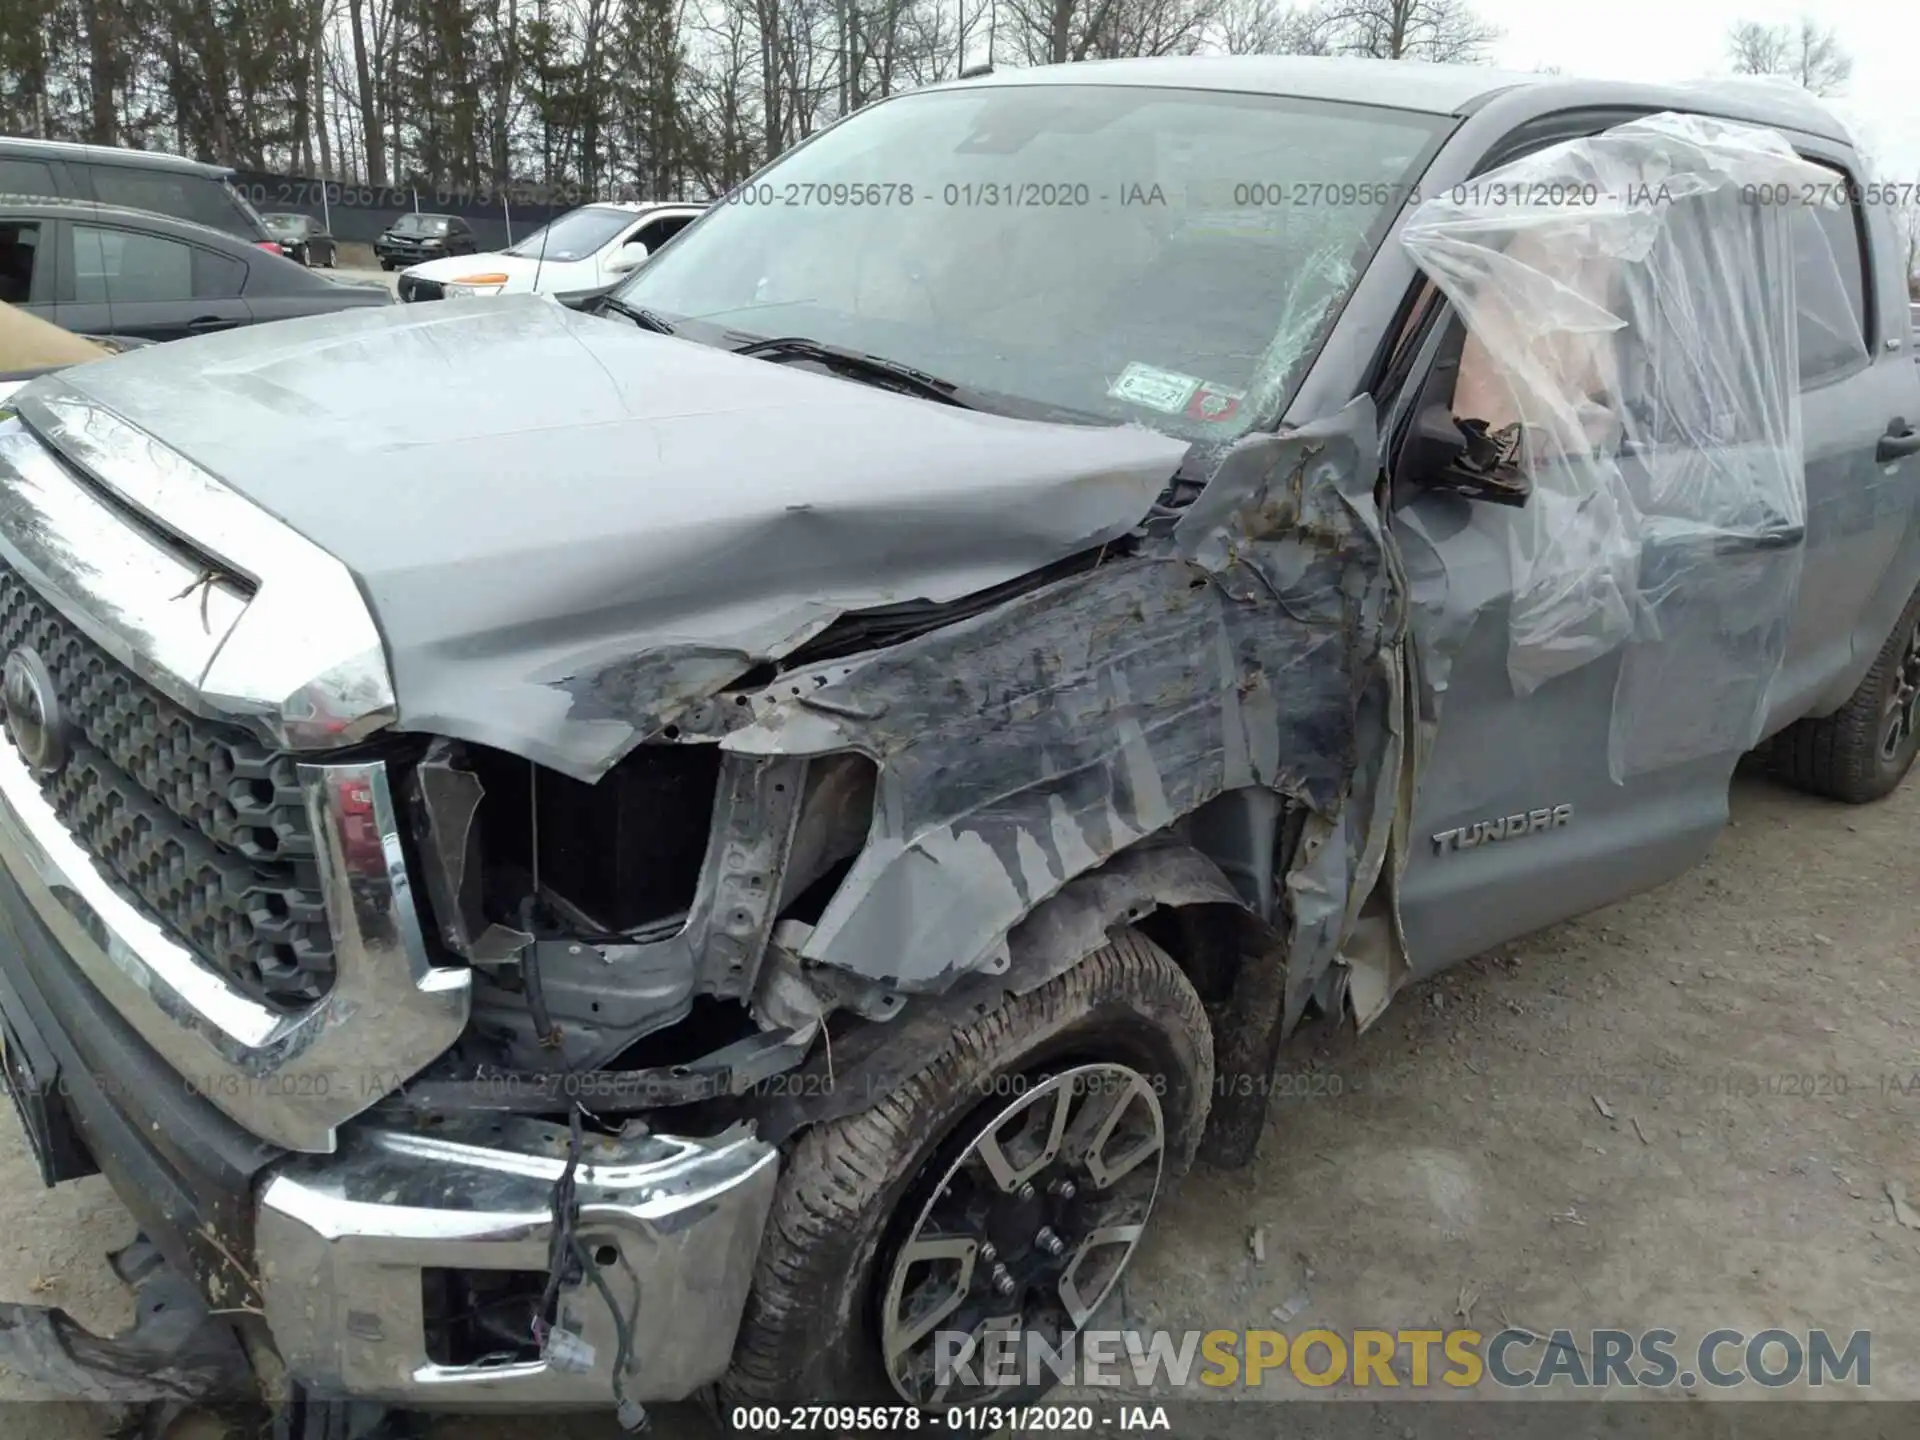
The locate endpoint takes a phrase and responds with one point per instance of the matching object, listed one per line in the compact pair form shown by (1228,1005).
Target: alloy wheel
(1902,713)
(1026,1233)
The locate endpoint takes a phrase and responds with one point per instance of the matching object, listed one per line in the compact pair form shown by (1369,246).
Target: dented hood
(567,526)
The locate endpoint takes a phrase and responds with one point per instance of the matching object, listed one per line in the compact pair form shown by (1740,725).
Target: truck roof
(1432,89)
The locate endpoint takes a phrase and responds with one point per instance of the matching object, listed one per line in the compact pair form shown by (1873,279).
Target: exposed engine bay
(596,916)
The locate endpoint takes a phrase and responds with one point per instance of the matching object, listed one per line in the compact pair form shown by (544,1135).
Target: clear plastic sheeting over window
(1635,304)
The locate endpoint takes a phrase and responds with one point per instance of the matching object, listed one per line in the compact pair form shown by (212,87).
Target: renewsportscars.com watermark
(1403,1360)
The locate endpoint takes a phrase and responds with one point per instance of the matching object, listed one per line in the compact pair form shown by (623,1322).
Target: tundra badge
(1505,827)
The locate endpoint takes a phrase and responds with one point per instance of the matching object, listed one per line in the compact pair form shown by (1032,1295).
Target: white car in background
(583,251)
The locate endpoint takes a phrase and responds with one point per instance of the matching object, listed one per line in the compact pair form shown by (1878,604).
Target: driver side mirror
(628,257)
(1461,457)
(1437,450)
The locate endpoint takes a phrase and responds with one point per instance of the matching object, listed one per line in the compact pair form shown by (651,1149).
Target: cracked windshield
(1097,253)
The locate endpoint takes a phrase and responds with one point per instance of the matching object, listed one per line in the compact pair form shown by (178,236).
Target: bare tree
(1438,30)
(101,20)
(1267,27)
(722,124)
(939,38)
(1756,49)
(1818,61)
(1155,27)
(1804,53)
(1054,32)
(366,65)
(590,96)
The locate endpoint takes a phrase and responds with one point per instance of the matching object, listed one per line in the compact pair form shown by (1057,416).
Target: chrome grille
(203,823)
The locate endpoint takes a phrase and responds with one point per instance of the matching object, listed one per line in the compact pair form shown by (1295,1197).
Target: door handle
(209,322)
(1900,440)
(1784,537)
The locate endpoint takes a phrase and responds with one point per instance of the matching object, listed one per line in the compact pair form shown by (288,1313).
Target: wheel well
(1174,894)
(1210,942)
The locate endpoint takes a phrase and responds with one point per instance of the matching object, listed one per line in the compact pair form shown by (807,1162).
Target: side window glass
(1831,287)
(661,231)
(124,267)
(216,277)
(139,190)
(26,177)
(19,244)
(184,196)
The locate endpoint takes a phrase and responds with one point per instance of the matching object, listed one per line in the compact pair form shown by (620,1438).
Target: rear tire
(857,1190)
(1863,750)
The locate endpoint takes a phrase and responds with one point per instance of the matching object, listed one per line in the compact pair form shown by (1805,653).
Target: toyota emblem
(33,711)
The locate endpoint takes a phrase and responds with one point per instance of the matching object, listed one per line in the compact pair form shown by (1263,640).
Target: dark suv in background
(134,179)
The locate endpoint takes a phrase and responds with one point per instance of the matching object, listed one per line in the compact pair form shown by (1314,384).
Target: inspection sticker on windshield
(1155,389)
(1214,403)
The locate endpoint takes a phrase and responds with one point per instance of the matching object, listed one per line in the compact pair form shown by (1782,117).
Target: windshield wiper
(645,319)
(858,362)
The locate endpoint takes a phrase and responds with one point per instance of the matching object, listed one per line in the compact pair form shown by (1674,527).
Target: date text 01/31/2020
(955,1419)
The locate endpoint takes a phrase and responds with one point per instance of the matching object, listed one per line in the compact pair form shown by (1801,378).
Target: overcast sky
(1685,39)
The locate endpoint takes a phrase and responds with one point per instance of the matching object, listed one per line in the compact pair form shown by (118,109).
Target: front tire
(850,1257)
(1863,750)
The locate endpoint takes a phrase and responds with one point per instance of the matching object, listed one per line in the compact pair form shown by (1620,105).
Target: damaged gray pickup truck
(741,839)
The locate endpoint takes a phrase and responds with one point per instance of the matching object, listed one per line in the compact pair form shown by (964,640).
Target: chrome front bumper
(344,1239)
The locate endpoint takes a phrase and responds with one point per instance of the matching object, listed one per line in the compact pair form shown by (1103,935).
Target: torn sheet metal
(443,801)
(1634,307)
(1243,645)
(174,1353)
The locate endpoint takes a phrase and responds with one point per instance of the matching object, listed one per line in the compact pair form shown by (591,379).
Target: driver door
(1524,815)
(1611,776)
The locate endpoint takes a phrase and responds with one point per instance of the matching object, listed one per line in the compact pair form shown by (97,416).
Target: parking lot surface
(373,274)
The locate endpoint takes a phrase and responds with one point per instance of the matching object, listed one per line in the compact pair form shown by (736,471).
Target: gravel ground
(1682,1111)
(388,278)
